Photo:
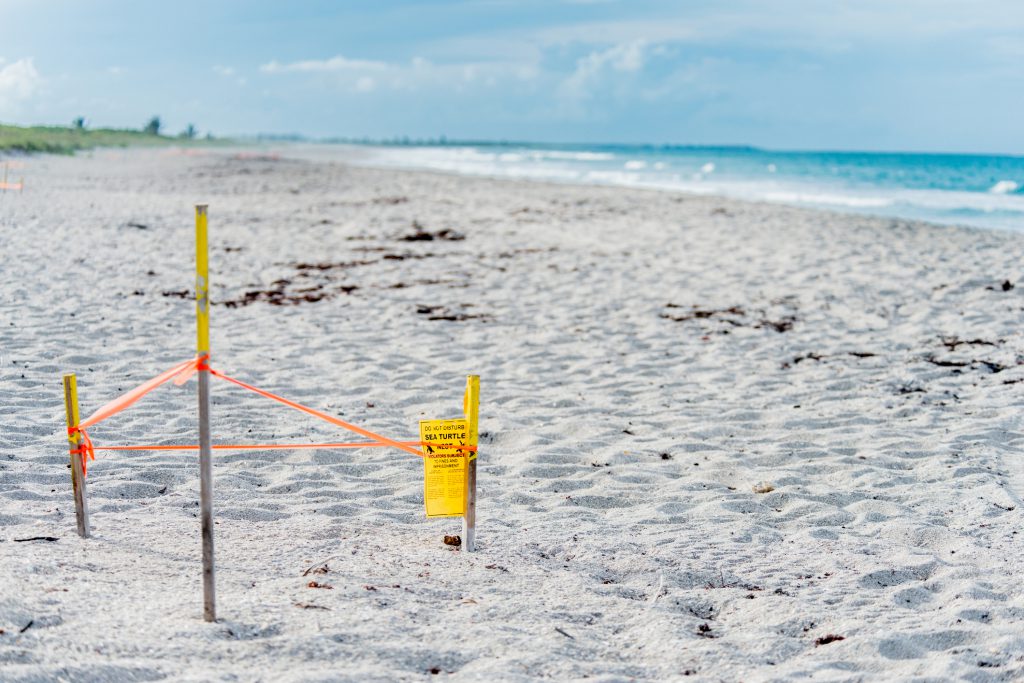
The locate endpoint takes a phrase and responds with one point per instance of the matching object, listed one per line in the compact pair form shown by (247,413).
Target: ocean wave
(1004,187)
(575,156)
(829,199)
(819,183)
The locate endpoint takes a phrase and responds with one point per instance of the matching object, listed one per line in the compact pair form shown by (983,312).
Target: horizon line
(444,141)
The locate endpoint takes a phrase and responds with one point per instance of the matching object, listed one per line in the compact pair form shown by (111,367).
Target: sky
(902,75)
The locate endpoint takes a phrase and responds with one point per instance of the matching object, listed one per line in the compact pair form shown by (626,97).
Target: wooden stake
(77,476)
(205,467)
(471,408)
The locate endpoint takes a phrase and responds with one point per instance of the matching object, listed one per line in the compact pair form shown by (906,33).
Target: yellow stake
(75,440)
(202,283)
(471,408)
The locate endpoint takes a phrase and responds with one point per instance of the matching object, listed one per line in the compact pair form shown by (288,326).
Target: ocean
(957,189)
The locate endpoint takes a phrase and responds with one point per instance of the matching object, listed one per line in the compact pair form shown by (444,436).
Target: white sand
(893,519)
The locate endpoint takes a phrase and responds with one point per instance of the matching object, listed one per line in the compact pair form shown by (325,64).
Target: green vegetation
(69,139)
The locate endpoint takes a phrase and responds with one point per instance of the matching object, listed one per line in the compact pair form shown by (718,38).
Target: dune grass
(67,140)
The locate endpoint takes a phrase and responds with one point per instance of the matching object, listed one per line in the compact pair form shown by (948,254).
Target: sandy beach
(719,440)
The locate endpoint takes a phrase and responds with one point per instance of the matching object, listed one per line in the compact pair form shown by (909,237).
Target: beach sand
(715,435)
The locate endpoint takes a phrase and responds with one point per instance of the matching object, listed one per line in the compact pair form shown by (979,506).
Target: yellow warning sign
(444,467)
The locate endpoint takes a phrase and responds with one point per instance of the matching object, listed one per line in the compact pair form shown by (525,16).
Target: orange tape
(270,446)
(85,450)
(180,374)
(323,416)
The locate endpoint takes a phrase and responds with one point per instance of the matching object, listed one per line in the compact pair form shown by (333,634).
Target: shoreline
(663,185)
(693,195)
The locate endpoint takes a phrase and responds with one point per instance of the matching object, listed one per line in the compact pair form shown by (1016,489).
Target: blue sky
(934,75)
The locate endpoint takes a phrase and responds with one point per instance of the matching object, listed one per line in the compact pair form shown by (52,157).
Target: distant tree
(153,127)
(79,123)
(189,132)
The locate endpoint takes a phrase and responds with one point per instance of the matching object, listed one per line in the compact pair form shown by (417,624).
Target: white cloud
(229,72)
(18,80)
(337,63)
(805,25)
(364,75)
(593,69)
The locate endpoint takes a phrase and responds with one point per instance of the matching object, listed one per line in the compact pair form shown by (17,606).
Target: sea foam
(1004,187)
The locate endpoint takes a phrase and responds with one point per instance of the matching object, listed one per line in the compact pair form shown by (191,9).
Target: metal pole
(205,469)
(76,441)
(471,408)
